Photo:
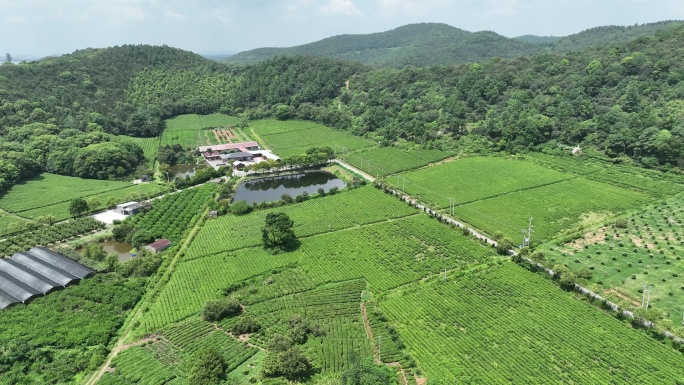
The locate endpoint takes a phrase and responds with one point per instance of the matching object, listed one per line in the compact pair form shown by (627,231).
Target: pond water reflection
(270,189)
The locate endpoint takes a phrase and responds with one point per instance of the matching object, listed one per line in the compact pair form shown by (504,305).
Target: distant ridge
(426,44)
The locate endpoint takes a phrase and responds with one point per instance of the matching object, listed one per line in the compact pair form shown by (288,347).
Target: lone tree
(278,232)
(207,368)
(77,207)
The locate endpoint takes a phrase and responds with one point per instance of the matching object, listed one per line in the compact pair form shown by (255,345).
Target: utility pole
(648,298)
(529,232)
(452,205)
(444,279)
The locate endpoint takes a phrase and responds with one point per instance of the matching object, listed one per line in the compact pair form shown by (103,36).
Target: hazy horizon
(41,28)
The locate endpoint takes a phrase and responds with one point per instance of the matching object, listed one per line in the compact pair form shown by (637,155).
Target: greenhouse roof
(36,272)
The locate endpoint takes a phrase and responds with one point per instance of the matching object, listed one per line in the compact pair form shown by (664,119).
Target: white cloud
(340,7)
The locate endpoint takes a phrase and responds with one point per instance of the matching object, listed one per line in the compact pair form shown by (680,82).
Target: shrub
(215,310)
(240,208)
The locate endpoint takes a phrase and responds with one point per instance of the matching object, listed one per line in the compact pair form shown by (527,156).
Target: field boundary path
(376,351)
(149,296)
(351,168)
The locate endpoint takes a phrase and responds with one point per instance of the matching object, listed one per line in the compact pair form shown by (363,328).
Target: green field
(500,195)
(384,161)
(473,179)
(131,193)
(311,217)
(49,189)
(507,325)
(655,183)
(387,254)
(191,131)
(150,146)
(51,194)
(490,322)
(10,223)
(287,138)
(568,205)
(622,261)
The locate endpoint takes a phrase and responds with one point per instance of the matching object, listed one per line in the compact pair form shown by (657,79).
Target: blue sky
(42,27)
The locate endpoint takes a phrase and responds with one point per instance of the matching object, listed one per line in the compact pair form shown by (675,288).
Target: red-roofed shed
(159,245)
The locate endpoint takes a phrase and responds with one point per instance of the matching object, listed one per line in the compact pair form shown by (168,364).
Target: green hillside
(411,45)
(428,44)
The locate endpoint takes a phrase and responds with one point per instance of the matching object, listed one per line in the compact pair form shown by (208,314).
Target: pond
(183,170)
(272,188)
(122,249)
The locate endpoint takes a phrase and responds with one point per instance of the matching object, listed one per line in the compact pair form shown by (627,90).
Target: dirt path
(376,352)
(149,297)
(626,298)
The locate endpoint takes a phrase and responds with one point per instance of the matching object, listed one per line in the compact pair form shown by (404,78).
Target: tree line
(623,100)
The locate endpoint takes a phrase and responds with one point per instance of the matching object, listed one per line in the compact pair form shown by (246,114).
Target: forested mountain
(429,44)
(411,45)
(625,100)
(594,37)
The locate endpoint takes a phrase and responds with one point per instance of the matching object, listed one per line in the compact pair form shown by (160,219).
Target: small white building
(128,208)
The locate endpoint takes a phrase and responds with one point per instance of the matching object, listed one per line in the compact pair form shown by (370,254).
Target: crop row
(297,141)
(555,207)
(137,365)
(169,216)
(507,325)
(46,235)
(60,211)
(190,130)
(387,254)
(346,209)
(473,179)
(333,310)
(384,161)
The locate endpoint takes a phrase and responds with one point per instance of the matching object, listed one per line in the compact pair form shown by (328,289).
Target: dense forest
(429,44)
(626,100)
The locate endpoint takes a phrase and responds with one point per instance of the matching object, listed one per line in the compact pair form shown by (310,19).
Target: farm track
(148,298)
(376,351)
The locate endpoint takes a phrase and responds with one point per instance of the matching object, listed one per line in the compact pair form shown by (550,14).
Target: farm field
(507,325)
(472,179)
(387,254)
(287,138)
(500,195)
(48,189)
(150,146)
(651,182)
(384,161)
(170,216)
(567,205)
(61,210)
(645,249)
(315,216)
(194,130)
(334,309)
(10,223)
